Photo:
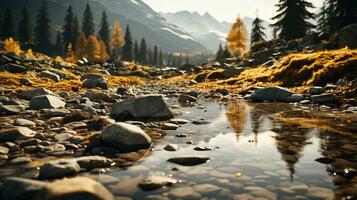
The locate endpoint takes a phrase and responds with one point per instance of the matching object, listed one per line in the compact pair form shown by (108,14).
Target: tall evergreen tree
(155,56)
(1,22)
(76,31)
(220,54)
(150,57)
(257,34)
(68,28)
(59,49)
(226,53)
(24,31)
(322,22)
(161,62)
(143,55)
(43,30)
(104,32)
(341,13)
(292,18)
(136,51)
(8,25)
(128,51)
(88,22)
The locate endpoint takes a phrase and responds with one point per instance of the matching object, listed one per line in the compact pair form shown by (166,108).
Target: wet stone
(156,182)
(189,160)
(13,134)
(24,122)
(184,193)
(20,160)
(15,188)
(92,162)
(321,193)
(169,126)
(171,147)
(59,168)
(63,137)
(4,150)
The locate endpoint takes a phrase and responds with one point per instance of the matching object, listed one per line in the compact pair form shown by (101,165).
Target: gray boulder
(59,169)
(74,188)
(49,75)
(232,72)
(271,94)
(91,76)
(125,137)
(142,107)
(29,94)
(15,188)
(46,101)
(98,96)
(314,90)
(295,98)
(183,98)
(96,83)
(15,133)
(323,98)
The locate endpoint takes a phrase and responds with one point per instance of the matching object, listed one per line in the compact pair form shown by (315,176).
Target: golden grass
(297,71)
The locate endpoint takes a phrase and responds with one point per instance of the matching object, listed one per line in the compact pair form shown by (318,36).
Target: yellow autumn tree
(93,49)
(238,38)
(81,46)
(103,52)
(12,46)
(117,41)
(70,57)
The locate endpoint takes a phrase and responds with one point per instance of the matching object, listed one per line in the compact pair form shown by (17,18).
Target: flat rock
(74,188)
(169,126)
(98,96)
(184,98)
(12,109)
(184,193)
(24,122)
(46,101)
(15,188)
(59,169)
(15,133)
(320,193)
(156,182)
(314,90)
(271,94)
(49,75)
(29,94)
(95,83)
(125,137)
(189,160)
(92,162)
(323,98)
(171,147)
(142,107)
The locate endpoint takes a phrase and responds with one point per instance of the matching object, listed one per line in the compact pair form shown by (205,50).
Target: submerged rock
(92,162)
(271,94)
(323,98)
(189,160)
(183,98)
(125,137)
(156,182)
(142,107)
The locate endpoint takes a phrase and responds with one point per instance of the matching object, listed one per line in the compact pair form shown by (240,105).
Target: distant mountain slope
(205,28)
(144,22)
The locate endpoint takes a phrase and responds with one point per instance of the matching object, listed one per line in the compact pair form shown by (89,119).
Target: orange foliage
(238,38)
(12,46)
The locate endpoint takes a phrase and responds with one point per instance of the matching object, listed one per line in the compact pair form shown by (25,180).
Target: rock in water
(13,134)
(323,98)
(15,188)
(92,162)
(46,101)
(186,98)
(271,94)
(74,188)
(59,169)
(125,137)
(29,94)
(189,160)
(156,182)
(142,107)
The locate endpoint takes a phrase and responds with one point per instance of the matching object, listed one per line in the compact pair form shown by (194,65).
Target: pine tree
(68,28)
(76,31)
(136,51)
(237,38)
(8,25)
(220,54)
(155,56)
(128,51)
(88,22)
(81,46)
(1,22)
(257,34)
(143,58)
(341,13)
(59,45)
(161,62)
(150,57)
(117,41)
(104,32)
(103,54)
(93,49)
(24,31)
(43,30)
(226,53)
(323,19)
(292,18)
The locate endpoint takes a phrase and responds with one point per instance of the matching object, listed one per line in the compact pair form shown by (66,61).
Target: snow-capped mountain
(143,21)
(205,28)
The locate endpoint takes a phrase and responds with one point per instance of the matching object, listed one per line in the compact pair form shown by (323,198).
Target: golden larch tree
(104,56)
(70,57)
(93,49)
(11,45)
(117,41)
(238,38)
(81,46)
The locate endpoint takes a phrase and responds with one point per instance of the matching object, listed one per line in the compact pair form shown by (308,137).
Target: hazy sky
(223,10)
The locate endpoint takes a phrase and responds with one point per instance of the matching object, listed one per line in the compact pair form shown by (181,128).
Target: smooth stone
(171,147)
(59,169)
(271,94)
(50,75)
(142,107)
(184,193)
(15,133)
(56,112)
(324,160)
(125,137)
(189,160)
(184,98)
(95,83)
(4,150)
(12,109)
(179,121)
(46,101)
(73,189)
(24,122)
(20,160)
(200,148)
(15,188)
(91,76)
(92,162)
(63,137)
(315,90)
(169,126)
(319,192)
(295,98)
(156,182)
(323,98)
(29,94)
